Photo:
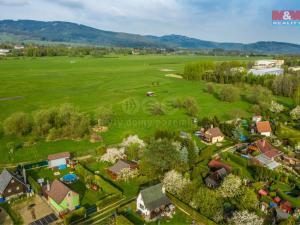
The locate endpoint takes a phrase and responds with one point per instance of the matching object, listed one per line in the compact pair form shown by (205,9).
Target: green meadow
(116,82)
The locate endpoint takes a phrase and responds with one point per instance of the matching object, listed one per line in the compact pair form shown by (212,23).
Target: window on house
(18,188)
(141,206)
(9,190)
(12,181)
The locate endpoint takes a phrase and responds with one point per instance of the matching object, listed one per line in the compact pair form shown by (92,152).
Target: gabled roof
(5,178)
(217,164)
(153,197)
(263,126)
(59,156)
(209,181)
(214,132)
(273,153)
(121,164)
(263,145)
(58,191)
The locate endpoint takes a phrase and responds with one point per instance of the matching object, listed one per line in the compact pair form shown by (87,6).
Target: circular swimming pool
(69,178)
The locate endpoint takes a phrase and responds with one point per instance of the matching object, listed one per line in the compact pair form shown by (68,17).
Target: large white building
(267,63)
(4,52)
(267,71)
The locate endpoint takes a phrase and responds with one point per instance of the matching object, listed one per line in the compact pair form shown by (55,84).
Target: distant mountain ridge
(57,31)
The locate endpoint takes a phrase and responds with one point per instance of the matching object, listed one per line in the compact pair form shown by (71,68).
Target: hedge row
(192,213)
(237,159)
(122,220)
(35,185)
(108,200)
(75,215)
(86,174)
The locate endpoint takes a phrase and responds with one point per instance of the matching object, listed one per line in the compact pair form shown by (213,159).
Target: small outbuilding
(264,128)
(58,160)
(115,170)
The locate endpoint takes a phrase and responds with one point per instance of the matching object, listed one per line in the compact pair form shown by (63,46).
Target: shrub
(18,124)
(229,94)
(108,200)
(121,220)
(237,159)
(34,185)
(75,215)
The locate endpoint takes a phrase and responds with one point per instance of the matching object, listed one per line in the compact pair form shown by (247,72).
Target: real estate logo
(286,17)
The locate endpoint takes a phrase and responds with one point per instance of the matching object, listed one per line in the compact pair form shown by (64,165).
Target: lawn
(179,217)
(119,83)
(289,133)
(283,189)
(87,197)
(129,188)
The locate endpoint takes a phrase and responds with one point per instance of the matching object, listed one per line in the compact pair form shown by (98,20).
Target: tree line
(287,85)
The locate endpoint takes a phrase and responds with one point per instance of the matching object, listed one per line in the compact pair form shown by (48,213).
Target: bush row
(75,215)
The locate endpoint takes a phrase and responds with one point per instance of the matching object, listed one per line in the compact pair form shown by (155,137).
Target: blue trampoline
(69,178)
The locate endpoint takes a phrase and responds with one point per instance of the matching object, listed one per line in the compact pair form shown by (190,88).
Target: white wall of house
(267,134)
(217,139)
(141,206)
(57,162)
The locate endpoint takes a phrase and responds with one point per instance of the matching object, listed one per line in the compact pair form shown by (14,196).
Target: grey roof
(209,181)
(154,197)
(281,215)
(5,178)
(222,173)
(121,164)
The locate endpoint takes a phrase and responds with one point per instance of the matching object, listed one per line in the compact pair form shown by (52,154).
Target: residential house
(213,135)
(214,180)
(11,185)
(267,149)
(61,197)
(115,170)
(264,128)
(58,160)
(152,202)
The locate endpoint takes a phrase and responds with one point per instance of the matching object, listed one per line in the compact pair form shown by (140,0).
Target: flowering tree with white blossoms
(245,218)
(127,174)
(231,186)
(276,107)
(295,113)
(133,139)
(174,182)
(113,154)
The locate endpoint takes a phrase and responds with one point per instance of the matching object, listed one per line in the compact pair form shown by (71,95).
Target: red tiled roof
(214,132)
(59,155)
(273,153)
(263,145)
(217,164)
(263,126)
(58,191)
(277,199)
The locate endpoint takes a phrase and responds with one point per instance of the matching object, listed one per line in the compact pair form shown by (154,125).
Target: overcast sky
(216,20)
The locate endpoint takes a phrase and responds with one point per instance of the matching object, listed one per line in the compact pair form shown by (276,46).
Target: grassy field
(119,82)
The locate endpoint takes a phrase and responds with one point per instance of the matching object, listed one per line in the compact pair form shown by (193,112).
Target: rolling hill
(66,32)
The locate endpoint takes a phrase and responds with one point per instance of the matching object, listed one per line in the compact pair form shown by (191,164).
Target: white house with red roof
(264,128)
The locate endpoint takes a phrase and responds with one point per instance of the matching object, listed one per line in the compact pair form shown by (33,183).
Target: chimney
(48,186)
(24,175)
(264,143)
(163,189)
